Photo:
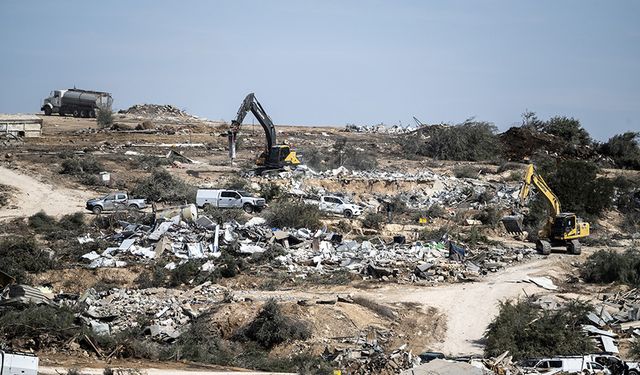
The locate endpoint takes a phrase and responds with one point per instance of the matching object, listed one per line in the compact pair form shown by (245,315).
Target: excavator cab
(279,156)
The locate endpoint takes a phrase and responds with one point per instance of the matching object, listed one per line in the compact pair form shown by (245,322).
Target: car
(572,364)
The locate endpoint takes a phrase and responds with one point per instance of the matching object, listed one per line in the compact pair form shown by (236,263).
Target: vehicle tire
(248,208)
(133,207)
(96,210)
(92,113)
(206,206)
(574,247)
(348,214)
(76,113)
(84,113)
(47,111)
(633,372)
(543,247)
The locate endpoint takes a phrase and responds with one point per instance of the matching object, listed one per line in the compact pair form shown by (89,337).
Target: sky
(334,62)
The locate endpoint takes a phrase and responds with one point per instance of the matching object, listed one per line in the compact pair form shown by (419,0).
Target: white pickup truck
(14,363)
(220,198)
(336,205)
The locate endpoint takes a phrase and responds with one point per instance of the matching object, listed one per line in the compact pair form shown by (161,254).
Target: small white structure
(21,125)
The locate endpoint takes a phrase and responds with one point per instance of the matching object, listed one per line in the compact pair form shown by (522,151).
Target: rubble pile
(618,316)
(157,111)
(166,312)
(380,128)
(365,355)
(444,190)
(182,237)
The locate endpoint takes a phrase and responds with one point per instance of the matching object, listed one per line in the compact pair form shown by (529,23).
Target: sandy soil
(31,196)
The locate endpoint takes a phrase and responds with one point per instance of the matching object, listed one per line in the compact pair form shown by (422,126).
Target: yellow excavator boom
(531,177)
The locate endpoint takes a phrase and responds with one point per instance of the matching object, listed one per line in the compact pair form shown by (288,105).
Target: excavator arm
(532,177)
(251,104)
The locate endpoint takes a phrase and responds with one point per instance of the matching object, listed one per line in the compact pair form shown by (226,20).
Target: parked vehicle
(577,364)
(336,205)
(220,198)
(79,103)
(14,363)
(118,200)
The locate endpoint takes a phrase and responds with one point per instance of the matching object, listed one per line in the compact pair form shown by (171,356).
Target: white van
(565,364)
(14,363)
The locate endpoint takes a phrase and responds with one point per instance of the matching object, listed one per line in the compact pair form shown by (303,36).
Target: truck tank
(82,98)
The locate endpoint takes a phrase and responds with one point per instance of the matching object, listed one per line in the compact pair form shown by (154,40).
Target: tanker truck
(79,103)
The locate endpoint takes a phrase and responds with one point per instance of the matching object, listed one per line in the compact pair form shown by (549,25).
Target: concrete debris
(23,295)
(542,282)
(171,310)
(380,128)
(447,367)
(159,112)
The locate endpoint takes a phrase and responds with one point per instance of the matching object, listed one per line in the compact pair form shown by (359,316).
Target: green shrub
(374,220)
(527,331)
(38,326)
(271,327)
(19,255)
(77,166)
(470,141)
(237,183)
(624,149)
(161,186)
(288,214)
(68,226)
(609,266)
(104,117)
(578,187)
(568,129)
(271,191)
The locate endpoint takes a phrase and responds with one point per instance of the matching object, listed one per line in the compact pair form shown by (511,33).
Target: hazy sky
(334,62)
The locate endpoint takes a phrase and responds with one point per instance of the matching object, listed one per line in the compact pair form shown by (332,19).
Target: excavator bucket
(513,224)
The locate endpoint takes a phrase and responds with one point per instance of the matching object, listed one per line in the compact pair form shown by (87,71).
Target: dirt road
(31,196)
(470,307)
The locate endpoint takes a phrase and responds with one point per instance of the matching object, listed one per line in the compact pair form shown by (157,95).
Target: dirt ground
(31,195)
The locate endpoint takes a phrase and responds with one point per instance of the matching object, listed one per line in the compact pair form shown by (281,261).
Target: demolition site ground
(367,294)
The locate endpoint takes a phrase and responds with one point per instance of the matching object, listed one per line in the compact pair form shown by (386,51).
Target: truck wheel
(133,207)
(92,113)
(348,214)
(83,113)
(47,111)
(76,113)
(96,210)
(248,208)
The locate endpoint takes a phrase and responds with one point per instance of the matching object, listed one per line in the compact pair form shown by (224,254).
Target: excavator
(562,229)
(274,157)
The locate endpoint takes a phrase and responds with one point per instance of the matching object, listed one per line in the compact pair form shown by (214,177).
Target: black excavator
(274,157)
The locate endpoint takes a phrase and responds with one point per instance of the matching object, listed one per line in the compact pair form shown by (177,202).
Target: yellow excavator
(562,229)
(275,156)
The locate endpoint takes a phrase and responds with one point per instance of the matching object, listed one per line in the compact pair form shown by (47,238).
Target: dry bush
(374,220)
(465,171)
(288,214)
(272,327)
(378,308)
(161,186)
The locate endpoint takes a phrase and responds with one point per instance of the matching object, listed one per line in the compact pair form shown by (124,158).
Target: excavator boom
(251,104)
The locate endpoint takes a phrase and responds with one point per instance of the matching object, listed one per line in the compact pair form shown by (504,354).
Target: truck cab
(53,102)
(14,363)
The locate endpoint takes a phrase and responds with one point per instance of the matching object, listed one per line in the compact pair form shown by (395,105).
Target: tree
(624,149)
